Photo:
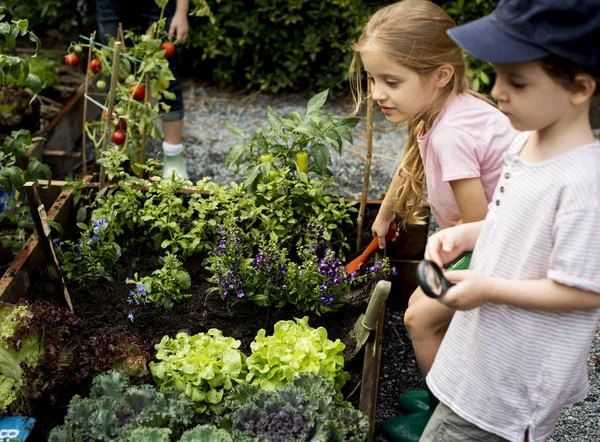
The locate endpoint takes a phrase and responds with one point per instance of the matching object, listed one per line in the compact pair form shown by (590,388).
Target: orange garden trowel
(366,322)
(355,264)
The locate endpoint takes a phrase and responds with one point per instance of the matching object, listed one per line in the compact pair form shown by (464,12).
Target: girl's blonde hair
(413,34)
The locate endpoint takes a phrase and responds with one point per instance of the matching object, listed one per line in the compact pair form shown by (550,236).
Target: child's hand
(444,246)
(471,290)
(380,228)
(179,28)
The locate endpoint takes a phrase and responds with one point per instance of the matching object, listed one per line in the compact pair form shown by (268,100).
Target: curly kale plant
(204,366)
(306,409)
(295,347)
(115,412)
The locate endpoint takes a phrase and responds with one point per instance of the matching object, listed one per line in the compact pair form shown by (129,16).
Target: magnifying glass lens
(434,280)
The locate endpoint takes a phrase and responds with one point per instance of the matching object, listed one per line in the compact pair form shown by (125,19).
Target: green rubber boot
(174,161)
(413,401)
(410,427)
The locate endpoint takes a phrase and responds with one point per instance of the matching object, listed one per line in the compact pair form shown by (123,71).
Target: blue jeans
(139,15)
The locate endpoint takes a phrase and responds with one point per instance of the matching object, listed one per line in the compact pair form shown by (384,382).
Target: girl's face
(530,98)
(401,93)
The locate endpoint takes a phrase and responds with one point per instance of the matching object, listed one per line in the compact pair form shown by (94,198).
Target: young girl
(517,353)
(456,140)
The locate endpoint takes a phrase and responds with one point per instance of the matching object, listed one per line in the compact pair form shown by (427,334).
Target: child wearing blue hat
(515,353)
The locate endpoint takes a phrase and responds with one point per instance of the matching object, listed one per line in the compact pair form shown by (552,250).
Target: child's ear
(585,86)
(443,75)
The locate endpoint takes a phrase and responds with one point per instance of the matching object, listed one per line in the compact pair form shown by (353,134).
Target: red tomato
(121,125)
(169,49)
(138,92)
(71,60)
(118,137)
(105,113)
(95,66)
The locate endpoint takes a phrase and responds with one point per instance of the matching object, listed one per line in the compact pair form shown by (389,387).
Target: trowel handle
(378,297)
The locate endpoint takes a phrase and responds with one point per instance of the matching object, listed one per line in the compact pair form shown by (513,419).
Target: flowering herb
(165,287)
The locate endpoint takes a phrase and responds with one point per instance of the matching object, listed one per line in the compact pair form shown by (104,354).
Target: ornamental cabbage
(294,348)
(203,366)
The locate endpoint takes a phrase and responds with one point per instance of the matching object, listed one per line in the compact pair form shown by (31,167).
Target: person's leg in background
(172,121)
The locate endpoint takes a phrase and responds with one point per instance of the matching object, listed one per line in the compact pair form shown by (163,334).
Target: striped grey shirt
(507,369)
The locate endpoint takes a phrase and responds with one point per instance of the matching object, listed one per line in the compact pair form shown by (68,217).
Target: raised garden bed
(103,307)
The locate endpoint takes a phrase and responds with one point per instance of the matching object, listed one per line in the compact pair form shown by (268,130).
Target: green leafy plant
(165,287)
(117,412)
(44,68)
(204,366)
(276,46)
(206,433)
(306,409)
(11,65)
(295,347)
(33,349)
(303,144)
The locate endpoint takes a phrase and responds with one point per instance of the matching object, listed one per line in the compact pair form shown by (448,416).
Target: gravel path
(207,140)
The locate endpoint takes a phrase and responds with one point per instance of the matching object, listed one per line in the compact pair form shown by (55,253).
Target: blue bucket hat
(524,30)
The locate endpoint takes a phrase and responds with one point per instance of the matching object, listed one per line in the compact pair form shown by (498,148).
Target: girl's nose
(377,91)
(498,91)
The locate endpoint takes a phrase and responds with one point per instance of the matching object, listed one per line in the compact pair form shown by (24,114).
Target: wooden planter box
(405,253)
(58,148)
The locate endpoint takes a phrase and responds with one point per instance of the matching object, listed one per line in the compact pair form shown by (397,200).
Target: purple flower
(130,316)
(99,224)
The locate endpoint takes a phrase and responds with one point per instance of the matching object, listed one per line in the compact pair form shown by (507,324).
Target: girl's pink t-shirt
(467,140)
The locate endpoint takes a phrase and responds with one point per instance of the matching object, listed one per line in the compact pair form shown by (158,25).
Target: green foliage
(33,349)
(44,68)
(288,138)
(295,347)
(464,11)
(8,393)
(204,366)
(275,46)
(306,409)
(206,433)
(13,177)
(119,413)
(43,15)
(165,287)
(13,66)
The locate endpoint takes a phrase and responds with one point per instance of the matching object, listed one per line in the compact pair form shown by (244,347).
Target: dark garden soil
(103,307)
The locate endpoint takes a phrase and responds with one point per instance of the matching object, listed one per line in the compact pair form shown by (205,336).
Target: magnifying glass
(432,279)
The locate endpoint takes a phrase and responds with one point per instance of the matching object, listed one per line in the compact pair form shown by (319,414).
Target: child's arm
(470,199)
(447,244)
(474,289)
(387,212)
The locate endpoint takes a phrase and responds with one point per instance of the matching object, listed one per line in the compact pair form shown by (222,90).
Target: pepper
(302,159)
(266,158)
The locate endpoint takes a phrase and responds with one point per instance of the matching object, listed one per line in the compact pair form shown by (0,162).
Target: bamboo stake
(142,155)
(87,82)
(111,103)
(121,36)
(365,189)
(42,228)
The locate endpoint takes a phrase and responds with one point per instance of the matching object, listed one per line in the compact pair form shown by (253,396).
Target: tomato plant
(169,49)
(71,60)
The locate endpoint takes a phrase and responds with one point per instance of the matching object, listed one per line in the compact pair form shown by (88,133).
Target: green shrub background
(273,45)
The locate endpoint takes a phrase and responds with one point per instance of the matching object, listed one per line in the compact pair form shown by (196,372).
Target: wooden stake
(367,175)
(142,155)
(111,104)
(121,36)
(42,228)
(87,82)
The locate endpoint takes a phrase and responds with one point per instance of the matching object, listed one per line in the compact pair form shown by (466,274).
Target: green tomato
(101,84)
(266,158)
(77,48)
